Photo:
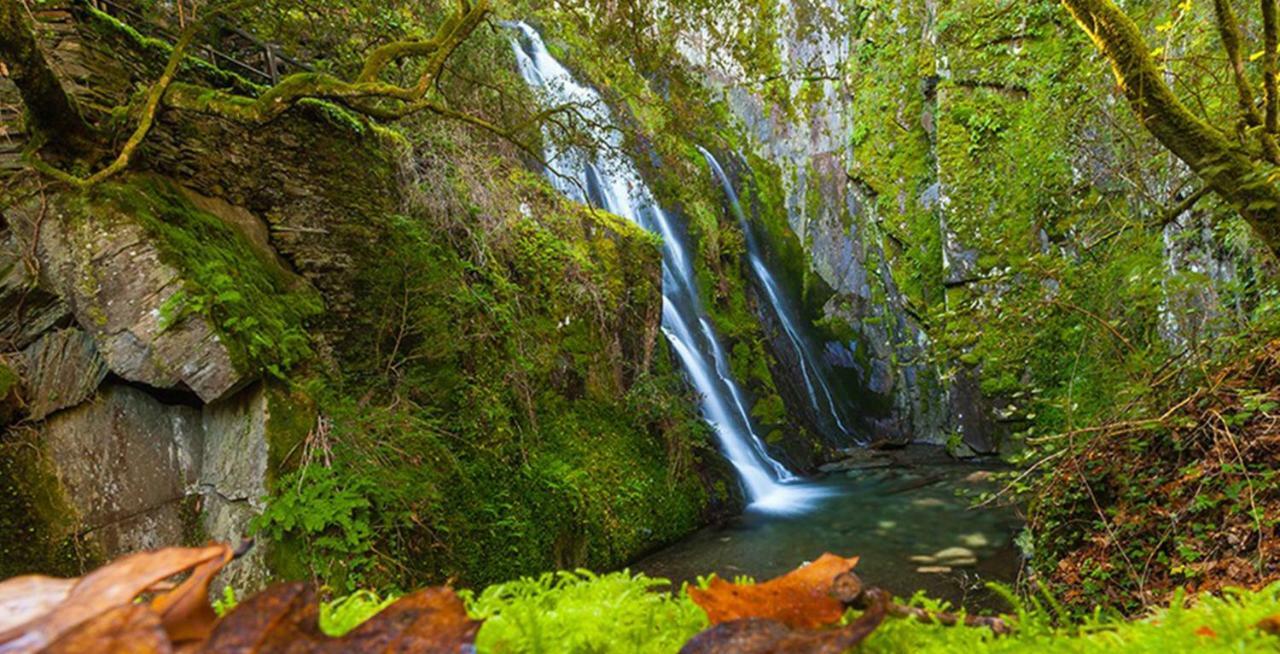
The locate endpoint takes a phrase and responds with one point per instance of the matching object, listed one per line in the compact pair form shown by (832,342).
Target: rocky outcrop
(898,392)
(26,309)
(122,291)
(62,369)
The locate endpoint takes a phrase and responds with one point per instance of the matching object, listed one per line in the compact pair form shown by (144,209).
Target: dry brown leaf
(128,629)
(267,622)
(284,620)
(430,620)
(185,611)
(1270,624)
(23,599)
(761,636)
(102,590)
(801,598)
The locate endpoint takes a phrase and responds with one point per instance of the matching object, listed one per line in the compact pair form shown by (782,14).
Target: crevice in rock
(179,395)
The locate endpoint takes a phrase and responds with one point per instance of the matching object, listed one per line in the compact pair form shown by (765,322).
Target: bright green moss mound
(247,296)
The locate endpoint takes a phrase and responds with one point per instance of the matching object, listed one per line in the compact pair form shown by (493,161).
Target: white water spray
(812,369)
(611,181)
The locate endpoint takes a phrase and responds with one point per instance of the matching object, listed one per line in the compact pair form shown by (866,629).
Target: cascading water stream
(812,369)
(610,181)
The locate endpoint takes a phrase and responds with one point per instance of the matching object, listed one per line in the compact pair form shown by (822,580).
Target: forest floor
(1187,500)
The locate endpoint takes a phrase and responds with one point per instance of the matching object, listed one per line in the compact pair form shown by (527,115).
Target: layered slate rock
(123,292)
(62,369)
(123,463)
(233,478)
(26,309)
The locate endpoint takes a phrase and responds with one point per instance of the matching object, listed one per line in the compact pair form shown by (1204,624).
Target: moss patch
(256,305)
(37,524)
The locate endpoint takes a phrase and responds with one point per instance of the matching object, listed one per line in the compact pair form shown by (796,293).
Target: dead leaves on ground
(794,613)
(130,607)
(801,598)
(285,619)
(104,612)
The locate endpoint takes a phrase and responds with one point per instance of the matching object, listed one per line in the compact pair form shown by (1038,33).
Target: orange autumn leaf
(1270,624)
(760,636)
(185,611)
(801,598)
(127,629)
(26,598)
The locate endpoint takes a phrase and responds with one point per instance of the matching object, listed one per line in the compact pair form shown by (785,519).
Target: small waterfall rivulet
(609,180)
(813,369)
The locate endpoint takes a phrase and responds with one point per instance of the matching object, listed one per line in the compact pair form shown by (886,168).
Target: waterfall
(813,370)
(609,180)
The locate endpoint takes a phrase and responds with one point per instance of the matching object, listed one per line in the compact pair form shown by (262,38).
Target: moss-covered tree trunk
(1245,181)
(51,111)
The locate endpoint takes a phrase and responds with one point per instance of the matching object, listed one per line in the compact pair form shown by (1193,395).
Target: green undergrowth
(567,612)
(503,402)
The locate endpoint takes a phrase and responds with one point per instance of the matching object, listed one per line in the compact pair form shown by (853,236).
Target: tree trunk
(1225,167)
(50,110)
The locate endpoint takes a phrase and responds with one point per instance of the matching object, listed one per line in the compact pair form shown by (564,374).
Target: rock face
(26,310)
(119,288)
(233,478)
(901,395)
(124,463)
(125,471)
(63,369)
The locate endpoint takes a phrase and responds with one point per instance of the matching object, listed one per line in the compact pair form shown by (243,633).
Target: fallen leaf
(801,598)
(268,622)
(23,599)
(128,629)
(1270,624)
(284,620)
(185,611)
(1206,631)
(762,636)
(430,620)
(108,587)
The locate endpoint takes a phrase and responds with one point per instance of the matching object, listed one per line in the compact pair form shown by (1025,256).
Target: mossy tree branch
(367,87)
(362,95)
(1270,42)
(1246,182)
(1231,35)
(149,108)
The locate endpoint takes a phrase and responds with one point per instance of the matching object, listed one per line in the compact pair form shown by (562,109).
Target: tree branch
(1247,185)
(1269,39)
(1229,31)
(149,108)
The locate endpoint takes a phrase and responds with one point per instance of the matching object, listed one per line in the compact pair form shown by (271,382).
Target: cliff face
(972,194)
(458,370)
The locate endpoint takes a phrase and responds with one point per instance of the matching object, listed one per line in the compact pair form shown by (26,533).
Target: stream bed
(901,511)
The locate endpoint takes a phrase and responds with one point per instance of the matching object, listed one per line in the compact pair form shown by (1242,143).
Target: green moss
(291,416)
(248,297)
(495,394)
(38,526)
(9,379)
